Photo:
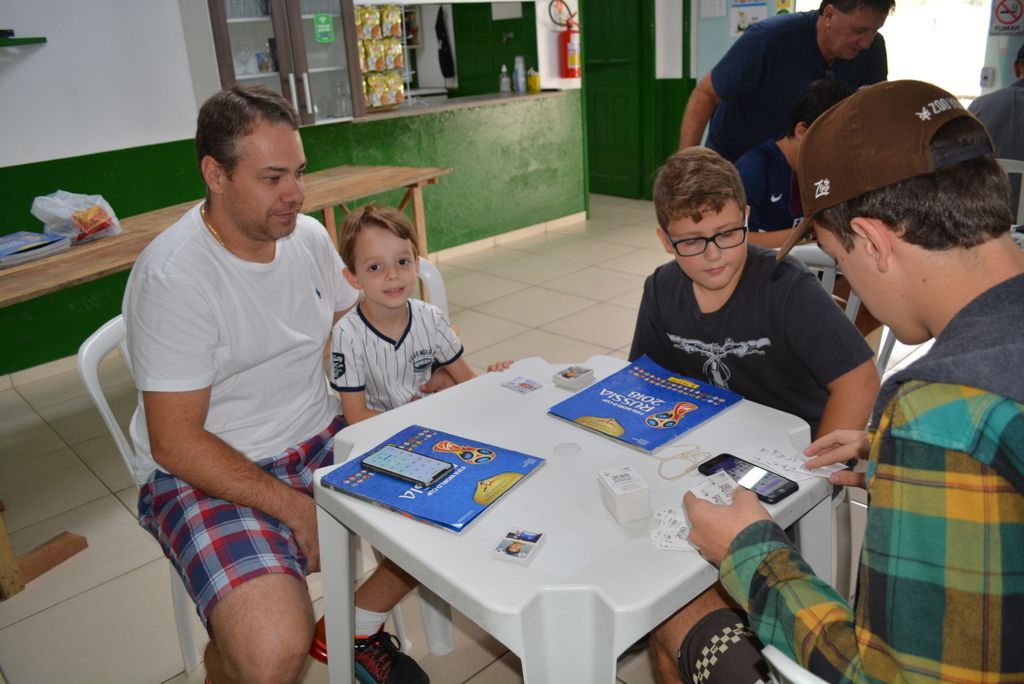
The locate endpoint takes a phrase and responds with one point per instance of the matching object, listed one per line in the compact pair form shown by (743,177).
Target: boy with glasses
(725,312)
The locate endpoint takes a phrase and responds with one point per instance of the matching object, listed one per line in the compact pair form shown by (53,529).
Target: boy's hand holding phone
(713,526)
(770,487)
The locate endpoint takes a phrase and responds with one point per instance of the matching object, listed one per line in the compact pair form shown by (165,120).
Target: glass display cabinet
(303,49)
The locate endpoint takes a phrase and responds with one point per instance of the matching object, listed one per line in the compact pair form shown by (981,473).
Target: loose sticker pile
(791,464)
(670,530)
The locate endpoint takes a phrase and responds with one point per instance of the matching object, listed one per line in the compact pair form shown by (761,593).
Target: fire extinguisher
(569,49)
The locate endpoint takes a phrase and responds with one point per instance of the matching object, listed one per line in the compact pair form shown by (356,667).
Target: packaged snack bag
(395,54)
(376,59)
(397,86)
(391,21)
(376,87)
(368,22)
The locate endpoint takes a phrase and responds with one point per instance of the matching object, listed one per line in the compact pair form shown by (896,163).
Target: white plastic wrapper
(79,217)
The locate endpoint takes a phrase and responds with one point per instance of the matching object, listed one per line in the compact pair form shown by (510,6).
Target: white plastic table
(596,586)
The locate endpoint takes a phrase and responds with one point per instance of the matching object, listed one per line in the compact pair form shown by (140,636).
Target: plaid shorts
(721,649)
(216,545)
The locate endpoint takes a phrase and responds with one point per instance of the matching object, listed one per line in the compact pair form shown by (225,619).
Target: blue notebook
(22,246)
(644,405)
(482,473)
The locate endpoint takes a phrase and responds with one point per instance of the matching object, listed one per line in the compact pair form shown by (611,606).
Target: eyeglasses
(698,245)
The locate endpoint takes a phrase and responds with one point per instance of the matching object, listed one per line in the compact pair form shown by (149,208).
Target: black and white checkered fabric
(722,649)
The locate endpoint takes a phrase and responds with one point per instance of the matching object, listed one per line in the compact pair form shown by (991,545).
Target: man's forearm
(208,463)
(771,239)
(698,112)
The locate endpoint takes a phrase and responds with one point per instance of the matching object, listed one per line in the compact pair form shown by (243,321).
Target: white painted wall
(668,39)
(427,62)
(113,74)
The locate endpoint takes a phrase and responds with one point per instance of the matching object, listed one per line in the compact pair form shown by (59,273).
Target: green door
(612,32)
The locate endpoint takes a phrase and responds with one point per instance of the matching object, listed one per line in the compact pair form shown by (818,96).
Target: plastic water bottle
(519,75)
(504,83)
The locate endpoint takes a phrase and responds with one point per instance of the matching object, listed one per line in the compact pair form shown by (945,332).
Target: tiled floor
(105,615)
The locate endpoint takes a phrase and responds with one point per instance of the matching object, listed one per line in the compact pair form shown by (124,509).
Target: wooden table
(324,190)
(334,187)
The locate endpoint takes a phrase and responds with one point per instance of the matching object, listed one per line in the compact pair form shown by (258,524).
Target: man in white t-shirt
(228,314)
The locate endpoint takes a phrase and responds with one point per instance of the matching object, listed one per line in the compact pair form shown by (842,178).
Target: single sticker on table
(521,384)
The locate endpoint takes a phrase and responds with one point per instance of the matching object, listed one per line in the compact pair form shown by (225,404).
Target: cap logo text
(822,187)
(938,106)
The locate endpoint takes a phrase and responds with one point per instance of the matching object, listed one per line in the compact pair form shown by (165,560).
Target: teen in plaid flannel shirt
(921,230)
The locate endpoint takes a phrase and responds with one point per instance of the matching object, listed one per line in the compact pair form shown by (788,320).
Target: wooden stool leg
(16,571)
(10,574)
(50,554)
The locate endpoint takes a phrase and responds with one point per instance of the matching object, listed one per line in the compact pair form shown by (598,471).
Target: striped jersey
(391,371)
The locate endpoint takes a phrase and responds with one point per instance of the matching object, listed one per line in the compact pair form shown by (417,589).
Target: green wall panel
(482,45)
(133,181)
(515,164)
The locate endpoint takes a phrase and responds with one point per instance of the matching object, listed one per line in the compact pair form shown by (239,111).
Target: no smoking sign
(1007,17)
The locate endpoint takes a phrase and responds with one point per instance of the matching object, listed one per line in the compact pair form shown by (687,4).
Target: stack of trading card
(625,494)
(574,377)
(519,545)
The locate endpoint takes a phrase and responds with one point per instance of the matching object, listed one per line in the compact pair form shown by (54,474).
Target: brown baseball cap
(876,137)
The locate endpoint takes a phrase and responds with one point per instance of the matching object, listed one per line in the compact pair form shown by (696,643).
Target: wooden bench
(325,190)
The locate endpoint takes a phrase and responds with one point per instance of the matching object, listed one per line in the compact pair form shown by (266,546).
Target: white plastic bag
(80,217)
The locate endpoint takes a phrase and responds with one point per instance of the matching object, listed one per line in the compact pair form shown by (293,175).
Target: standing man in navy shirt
(748,94)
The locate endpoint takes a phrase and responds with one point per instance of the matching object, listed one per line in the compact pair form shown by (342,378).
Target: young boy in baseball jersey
(382,352)
(388,346)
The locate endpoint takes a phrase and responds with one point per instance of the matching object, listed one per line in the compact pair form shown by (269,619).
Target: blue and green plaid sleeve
(941,582)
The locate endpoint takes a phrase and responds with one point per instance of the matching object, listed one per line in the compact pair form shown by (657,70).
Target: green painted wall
(517,163)
(482,45)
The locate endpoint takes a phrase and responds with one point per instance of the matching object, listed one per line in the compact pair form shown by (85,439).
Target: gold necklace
(213,231)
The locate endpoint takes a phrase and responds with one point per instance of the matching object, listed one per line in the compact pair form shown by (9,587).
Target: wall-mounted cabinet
(303,49)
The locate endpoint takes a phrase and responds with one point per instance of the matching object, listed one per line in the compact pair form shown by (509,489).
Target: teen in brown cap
(901,187)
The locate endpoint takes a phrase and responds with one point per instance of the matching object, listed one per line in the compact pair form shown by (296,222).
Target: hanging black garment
(444,48)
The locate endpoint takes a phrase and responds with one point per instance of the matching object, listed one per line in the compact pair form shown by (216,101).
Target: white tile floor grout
(565,294)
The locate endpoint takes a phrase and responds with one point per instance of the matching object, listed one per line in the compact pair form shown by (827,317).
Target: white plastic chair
(787,671)
(815,258)
(110,335)
(433,283)
(1015,168)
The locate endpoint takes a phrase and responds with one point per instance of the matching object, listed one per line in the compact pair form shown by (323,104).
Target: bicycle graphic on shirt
(715,367)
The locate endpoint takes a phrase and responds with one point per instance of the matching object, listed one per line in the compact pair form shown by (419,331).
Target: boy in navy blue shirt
(767,170)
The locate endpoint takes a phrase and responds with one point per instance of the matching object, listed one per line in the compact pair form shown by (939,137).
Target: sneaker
(379,661)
